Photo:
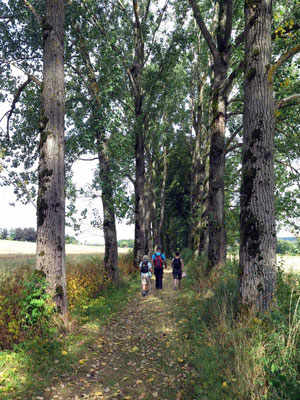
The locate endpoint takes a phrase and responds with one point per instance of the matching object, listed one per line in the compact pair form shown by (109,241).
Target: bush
(25,310)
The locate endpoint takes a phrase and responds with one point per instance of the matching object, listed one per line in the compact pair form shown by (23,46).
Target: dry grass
(9,247)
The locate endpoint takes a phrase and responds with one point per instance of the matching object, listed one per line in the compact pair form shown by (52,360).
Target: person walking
(158,262)
(178,266)
(146,272)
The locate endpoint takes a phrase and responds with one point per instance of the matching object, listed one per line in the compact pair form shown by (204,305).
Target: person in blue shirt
(158,263)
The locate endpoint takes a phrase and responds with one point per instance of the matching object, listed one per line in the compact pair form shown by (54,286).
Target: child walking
(146,272)
(178,266)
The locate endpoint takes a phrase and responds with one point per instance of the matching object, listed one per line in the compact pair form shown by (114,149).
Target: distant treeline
(27,235)
(126,243)
(288,247)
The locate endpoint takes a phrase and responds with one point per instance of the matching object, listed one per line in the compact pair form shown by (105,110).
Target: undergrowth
(34,349)
(251,358)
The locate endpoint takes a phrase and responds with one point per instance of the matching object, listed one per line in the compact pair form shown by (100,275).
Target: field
(14,253)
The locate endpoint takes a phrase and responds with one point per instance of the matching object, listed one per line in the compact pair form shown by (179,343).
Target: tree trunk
(109,221)
(216,195)
(162,199)
(221,52)
(257,220)
(135,76)
(151,200)
(51,193)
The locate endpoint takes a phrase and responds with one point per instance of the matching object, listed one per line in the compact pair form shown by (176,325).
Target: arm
(182,265)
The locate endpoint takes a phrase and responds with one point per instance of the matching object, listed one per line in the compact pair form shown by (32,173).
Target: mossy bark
(257,278)
(51,193)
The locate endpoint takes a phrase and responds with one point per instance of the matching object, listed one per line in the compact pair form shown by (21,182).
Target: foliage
(287,247)
(240,357)
(126,243)
(25,310)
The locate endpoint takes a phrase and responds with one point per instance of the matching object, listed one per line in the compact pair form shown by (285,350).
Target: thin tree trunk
(221,53)
(51,193)
(135,76)
(109,220)
(151,200)
(162,198)
(257,220)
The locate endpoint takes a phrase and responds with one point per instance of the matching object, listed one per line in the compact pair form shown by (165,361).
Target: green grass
(257,357)
(31,366)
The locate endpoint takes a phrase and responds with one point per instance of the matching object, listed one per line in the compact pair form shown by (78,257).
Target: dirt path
(138,355)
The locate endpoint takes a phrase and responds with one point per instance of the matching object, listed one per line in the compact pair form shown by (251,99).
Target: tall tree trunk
(135,76)
(198,166)
(221,52)
(162,198)
(216,195)
(257,220)
(109,220)
(151,199)
(51,193)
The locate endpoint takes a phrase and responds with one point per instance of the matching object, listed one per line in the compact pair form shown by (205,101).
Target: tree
(221,53)
(257,221)
(51,194)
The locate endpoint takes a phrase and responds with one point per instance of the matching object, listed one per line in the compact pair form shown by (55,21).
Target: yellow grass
(14,247)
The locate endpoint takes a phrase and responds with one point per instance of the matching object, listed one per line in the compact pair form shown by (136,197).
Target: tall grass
(241,358)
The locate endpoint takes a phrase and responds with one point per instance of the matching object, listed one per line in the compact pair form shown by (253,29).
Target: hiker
(178,266)
(146,273)
(158,262)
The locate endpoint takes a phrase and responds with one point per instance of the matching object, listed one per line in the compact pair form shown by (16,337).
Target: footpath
(138,355)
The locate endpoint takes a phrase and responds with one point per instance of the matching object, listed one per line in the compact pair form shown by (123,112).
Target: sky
(24,216)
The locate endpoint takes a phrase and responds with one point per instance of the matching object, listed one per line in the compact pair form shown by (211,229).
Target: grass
(34,365)
(251,358)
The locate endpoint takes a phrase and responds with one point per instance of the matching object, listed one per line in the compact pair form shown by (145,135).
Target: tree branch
(34,12)
(274,67)
(235,133)
(204,30)
(288,165)
(287,29)
(238,112)
(282,103)
(233,147)
(229,81)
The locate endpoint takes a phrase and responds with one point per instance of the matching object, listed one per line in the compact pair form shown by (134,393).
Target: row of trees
(156,94)
(21,234)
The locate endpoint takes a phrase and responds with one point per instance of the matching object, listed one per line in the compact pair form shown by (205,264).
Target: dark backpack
(177,263)
(158,261)
(144,267)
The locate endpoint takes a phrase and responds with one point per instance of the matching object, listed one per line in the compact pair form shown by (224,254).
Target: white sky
(24,216)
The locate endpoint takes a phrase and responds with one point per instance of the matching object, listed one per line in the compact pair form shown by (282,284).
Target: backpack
(144,267)
(177,263)
(158,261)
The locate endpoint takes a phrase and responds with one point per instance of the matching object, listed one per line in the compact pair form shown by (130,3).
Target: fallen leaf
(64,352)
(180,359)
(138,381)
(155,394)
(150,379)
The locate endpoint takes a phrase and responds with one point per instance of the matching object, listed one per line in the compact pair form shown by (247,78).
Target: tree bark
(221,52)
(162,198)
(109,220)
(51,193)
(135,76)
(257,278)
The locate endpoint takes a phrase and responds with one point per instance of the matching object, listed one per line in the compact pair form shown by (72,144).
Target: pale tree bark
(257,278)
(51,193)
(221,52)
(109,220)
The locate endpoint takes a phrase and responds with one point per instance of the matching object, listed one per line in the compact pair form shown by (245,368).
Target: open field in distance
(13,247)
